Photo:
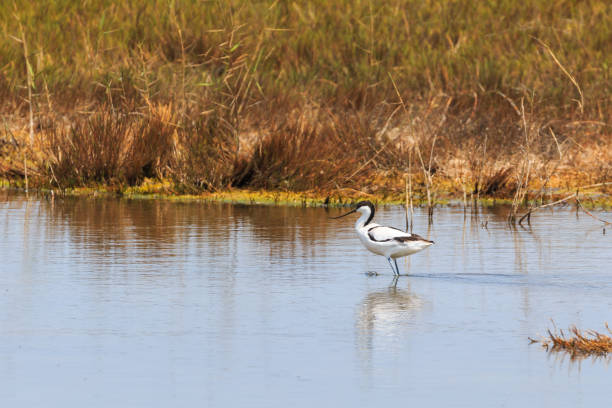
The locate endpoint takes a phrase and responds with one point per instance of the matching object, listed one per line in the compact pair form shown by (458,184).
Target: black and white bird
(389,242)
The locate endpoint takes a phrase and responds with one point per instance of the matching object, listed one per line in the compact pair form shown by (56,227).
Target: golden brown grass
(311,150)
(578,344)
(107,147)
(494,100)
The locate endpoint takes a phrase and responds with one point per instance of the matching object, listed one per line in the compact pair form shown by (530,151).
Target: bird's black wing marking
(413,237)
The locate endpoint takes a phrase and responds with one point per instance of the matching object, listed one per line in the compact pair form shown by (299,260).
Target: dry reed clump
(109,147)
(578,344)
(312,153)
(496,183)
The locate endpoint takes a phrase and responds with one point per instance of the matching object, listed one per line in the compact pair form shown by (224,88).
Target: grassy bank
(332,99)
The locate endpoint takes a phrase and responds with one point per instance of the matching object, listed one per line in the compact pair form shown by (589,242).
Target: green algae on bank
(282,198)
(162,189)
(165,189)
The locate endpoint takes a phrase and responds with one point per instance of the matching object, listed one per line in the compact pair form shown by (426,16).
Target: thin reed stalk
(525,167)
(30,85)
(408,203)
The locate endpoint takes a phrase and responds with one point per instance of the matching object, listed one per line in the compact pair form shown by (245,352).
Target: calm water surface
(153,303)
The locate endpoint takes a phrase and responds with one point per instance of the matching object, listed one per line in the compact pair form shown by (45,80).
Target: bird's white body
(386,245)
(389,242)
(384,240)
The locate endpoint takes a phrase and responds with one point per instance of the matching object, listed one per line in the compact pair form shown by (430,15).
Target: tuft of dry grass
(321,153)
(498,183)
(578,344)
(108,147)
(205,157)
(10,167)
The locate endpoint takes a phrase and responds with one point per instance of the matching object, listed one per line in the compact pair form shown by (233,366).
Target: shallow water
(154,303)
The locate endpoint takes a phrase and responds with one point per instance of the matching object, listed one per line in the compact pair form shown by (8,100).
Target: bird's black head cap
(357,207)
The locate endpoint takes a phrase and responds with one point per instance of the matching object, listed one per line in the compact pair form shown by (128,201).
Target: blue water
(119,303)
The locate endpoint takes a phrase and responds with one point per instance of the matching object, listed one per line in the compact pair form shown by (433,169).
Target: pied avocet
(389,242)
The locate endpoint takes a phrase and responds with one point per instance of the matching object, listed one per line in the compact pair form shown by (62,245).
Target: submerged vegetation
(342,98)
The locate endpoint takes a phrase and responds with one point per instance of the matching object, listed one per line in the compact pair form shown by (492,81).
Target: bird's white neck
(361,222)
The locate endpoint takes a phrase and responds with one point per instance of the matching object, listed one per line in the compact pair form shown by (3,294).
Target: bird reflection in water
(386,313)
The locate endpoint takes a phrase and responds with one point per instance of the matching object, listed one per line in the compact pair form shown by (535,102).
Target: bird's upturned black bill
(343,215)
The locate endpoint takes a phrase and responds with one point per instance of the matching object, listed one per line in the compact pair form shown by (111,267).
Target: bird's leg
(391,264)
(396,267)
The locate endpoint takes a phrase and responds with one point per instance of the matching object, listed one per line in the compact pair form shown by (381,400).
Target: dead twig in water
(578,344)
(589,213)
(534,209)
(569,197)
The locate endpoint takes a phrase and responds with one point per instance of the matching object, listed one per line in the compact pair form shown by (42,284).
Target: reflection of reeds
(578,344)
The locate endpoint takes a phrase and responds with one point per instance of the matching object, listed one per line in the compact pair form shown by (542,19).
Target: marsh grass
(342,45)
(321,95)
